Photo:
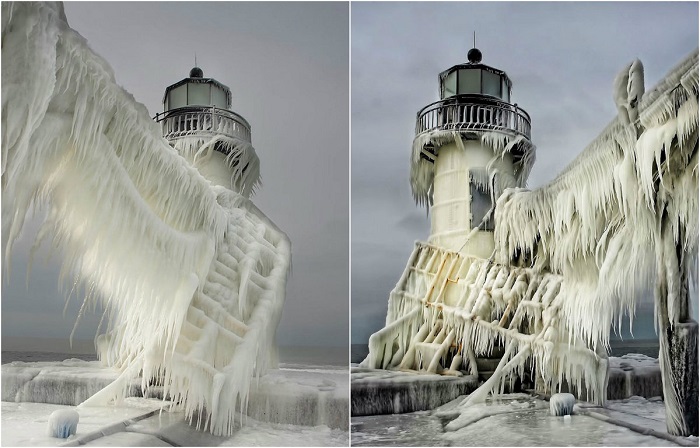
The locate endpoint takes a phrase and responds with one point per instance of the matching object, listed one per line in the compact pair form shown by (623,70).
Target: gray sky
(287,66)
(562,59)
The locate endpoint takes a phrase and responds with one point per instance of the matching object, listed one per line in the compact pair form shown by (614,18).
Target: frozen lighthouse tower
(198,121)
(160,231)
(469,146)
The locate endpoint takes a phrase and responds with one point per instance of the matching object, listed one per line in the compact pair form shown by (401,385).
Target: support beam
(683,353)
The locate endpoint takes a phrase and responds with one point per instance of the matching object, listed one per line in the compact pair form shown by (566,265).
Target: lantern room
(475,78)
(196,90)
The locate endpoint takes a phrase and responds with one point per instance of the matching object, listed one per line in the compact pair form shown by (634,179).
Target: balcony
(473,113)
(203,121)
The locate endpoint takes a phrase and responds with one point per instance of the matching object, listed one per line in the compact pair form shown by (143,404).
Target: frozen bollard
(63,423)
(561,404)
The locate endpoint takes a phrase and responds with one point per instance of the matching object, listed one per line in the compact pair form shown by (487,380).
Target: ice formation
(192,276)
(561,404)
(494,179)
(63,423)
(568,256)
(241,160)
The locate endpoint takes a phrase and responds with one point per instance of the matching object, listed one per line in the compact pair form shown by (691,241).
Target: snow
(561,405)
(63,423)
(192,275)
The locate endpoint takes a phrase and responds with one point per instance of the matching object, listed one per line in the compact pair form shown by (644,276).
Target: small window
(480,202)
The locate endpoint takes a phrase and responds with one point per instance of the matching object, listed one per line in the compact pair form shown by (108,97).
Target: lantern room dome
(474,56)
(196,72)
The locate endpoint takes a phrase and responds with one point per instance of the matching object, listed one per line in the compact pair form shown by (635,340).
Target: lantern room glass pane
(469,81)
(198,94)
(218,97)
(177,97)
(492,84)
(450,86)
(505,94)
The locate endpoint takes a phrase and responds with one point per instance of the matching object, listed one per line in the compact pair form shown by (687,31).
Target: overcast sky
(287,65)
(562,59)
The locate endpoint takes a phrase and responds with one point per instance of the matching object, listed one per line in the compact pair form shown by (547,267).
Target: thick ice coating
(192,276)
(63,423)
(561,404)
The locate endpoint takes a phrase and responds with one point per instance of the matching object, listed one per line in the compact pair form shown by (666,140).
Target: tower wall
(214,168)
(451,214)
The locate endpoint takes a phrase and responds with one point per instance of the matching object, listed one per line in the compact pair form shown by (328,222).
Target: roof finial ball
(474,56)
(196,72)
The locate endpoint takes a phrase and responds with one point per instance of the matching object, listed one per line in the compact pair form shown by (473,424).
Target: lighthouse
(197,120)
(469,146)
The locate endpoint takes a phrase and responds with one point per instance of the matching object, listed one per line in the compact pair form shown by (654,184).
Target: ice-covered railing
(473,112)
(624,210)
(449,309)
(192,277)
(185,121)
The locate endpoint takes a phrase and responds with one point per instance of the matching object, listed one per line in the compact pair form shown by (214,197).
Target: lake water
(36,349)
(649,347)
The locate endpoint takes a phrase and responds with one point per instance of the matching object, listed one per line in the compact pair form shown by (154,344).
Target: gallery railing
(473,112)
(188,121)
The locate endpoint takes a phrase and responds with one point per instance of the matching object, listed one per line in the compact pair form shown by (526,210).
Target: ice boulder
(63,423)
(561,404)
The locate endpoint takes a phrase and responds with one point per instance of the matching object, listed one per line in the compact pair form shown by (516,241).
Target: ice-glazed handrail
(186,121)
(475,113)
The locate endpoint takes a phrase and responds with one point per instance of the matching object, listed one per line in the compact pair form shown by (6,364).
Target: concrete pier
(295,396)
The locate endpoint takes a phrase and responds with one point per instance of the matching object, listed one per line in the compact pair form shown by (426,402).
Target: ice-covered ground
(307,391)
(516,420)
(24,424)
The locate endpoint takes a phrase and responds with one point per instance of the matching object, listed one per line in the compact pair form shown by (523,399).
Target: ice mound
(561,404)
(63,423)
